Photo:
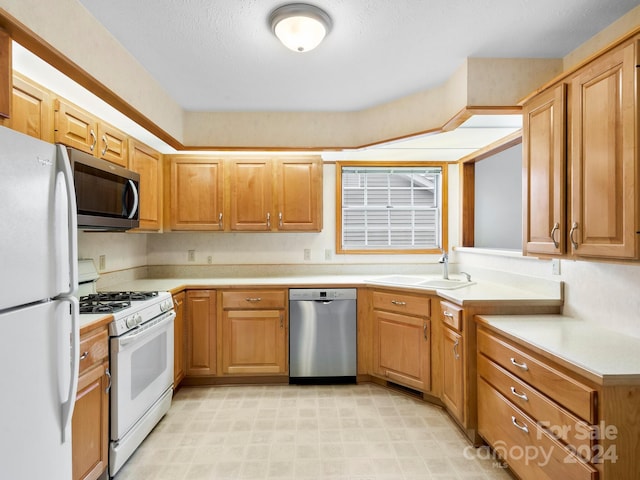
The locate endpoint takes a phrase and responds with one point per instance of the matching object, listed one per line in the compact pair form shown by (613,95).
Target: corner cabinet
(148,163)
(454,377)
(591,115)
(90,421)
(401,350)
(254,332)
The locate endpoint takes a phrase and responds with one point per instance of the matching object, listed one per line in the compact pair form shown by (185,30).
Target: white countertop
(478,293)
(604,356)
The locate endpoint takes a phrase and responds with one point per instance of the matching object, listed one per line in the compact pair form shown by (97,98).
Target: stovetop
(112,302)
(129,309)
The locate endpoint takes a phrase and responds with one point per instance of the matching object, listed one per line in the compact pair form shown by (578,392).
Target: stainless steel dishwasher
(322,335)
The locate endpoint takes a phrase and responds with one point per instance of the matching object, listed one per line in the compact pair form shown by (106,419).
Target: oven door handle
(140,333)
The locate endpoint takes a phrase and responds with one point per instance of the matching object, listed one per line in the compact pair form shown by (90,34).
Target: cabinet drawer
(565,426)
(94,347)
(568,392)
(531,452)
(247,299)
(452,315)
(401,303)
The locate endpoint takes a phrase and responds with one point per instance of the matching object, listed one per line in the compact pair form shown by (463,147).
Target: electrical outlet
(191,255)
(328,254)
(102,262)
(555,266)
(307,254)
(209,259)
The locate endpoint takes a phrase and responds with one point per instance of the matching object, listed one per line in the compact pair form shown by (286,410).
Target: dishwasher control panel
(296,294)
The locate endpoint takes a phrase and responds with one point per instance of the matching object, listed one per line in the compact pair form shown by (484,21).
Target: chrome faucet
(444,260)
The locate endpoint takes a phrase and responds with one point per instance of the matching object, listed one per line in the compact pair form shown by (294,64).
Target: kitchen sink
(442,284)
(410,281)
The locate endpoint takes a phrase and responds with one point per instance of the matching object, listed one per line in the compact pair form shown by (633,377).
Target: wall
(598,292)
(498,200)
(269,248)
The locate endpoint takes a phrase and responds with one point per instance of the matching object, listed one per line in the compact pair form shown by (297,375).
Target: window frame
(444,213)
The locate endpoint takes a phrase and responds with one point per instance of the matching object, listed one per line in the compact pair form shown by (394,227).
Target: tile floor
(358,432)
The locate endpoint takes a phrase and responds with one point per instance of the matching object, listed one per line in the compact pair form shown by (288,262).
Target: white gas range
(141,360)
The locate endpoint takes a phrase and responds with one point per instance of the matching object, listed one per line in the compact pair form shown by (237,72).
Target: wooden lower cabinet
(200,314)
(401,350)
(90,422)
(254,332)
(179,339)
(453,373)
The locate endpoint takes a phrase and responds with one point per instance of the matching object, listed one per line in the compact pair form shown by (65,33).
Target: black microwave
(107,195)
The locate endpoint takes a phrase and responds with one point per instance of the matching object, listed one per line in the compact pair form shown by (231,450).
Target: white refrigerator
(39,331)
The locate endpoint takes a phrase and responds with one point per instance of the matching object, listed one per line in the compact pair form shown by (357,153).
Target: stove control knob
(131,321)
(138,318)
(165,306)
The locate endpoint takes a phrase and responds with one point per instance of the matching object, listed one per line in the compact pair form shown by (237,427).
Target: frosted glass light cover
(300,34)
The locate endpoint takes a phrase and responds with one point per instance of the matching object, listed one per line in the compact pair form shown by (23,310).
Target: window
(387,208)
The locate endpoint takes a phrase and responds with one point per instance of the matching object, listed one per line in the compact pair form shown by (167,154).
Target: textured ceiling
(220,55)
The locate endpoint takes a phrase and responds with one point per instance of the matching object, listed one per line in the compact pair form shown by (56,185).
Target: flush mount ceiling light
(299,26)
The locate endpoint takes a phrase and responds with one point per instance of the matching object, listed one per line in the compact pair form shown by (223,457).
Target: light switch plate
(555,266)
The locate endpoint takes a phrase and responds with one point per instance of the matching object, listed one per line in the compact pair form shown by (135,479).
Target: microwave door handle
(134,209)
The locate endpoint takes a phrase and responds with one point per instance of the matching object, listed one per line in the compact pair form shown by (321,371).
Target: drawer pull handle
(455,349)
(522,365)
(396,302)
(448,314)
(424,330)
(220,224)
(84,355)
(556,228)
(522,396)
(253,299)
(522,427)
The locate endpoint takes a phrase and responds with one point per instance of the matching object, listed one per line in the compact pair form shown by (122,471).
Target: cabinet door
(112,145)
(5,74)
(254,341)
(147,162)
(544,205)
(401,350)
(603,157)
(453,373)
(201,332)
(299,186)
(196,194)
(31,110)
(90,424)
(75,127)
(251,201)
(179,340)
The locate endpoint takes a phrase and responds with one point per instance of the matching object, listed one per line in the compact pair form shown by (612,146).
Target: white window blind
(394,208)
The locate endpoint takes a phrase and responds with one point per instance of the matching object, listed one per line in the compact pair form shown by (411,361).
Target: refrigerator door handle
(64,167)
(67,407)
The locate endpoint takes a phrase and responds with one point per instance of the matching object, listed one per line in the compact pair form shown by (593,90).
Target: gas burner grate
(91,305)
(122,296)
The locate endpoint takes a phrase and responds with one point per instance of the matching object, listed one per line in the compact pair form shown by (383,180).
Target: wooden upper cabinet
(79,129)
(604,178)
(250,194)
(299,194)
(31,109)
(543,185)
(148,163)
(5,74)
(196,193)
(112,145)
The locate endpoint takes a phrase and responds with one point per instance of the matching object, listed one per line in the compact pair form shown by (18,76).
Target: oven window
(147,363)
